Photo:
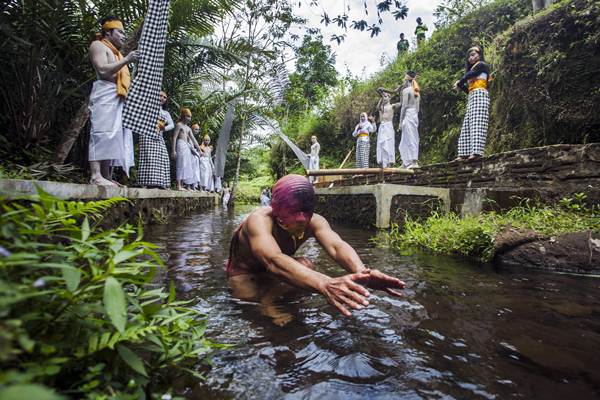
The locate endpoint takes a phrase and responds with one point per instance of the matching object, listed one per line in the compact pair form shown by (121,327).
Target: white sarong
(386,150)
(313,165)
(409,144)
(206,173)
(108,139)
(195,161)
(184,161)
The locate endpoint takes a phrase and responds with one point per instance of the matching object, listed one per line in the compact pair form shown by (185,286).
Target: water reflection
(461,331)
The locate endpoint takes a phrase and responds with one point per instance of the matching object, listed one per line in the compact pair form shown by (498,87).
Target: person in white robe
(110,144)
(409,121)
(206,165)
(313,161)
(182,151)
(386,149)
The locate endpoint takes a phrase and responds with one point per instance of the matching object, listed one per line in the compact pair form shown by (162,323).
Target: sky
(359,53)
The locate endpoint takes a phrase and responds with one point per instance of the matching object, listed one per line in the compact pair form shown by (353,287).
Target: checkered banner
(142,106)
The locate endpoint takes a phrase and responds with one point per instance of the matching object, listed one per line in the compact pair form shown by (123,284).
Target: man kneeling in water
(261,266)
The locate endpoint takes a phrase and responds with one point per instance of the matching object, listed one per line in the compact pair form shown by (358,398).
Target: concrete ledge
(12,188)
(384,194)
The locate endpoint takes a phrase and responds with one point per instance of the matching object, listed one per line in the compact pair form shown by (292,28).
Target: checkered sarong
(142,106)
(154,166)
(362,153)
(475,125)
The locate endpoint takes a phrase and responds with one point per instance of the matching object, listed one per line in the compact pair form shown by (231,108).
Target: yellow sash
(363,135)
(123,76)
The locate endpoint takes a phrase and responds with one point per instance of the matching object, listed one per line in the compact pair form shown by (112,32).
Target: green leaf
(31,391)
(85,229)
(171,292)
(132,359)
(124,255)
(115,303)
(72,277)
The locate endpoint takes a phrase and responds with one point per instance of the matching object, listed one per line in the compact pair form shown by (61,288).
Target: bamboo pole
(359,171)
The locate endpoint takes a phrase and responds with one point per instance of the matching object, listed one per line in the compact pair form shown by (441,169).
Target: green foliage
(249,190)
(474,236)
(538,98)
(79,312)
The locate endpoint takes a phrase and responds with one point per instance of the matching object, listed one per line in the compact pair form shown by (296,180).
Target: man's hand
(377,280)
(344,292)
(174,154)
(133,56)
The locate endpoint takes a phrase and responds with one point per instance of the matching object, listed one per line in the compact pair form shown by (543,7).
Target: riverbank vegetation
(80,316)
(474,236)
(536,99)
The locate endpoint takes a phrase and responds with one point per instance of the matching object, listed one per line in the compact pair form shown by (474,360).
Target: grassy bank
(474,236)
(80,316)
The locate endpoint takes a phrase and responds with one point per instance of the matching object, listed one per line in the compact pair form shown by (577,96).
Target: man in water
(110,144)
(261,266)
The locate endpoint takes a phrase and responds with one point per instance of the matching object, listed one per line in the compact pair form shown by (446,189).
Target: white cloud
(359,52)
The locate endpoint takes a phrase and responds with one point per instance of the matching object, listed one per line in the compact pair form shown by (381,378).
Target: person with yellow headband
(154,169)
(110,144)
(206,165)
(182,152)
(475,124)
(194,183)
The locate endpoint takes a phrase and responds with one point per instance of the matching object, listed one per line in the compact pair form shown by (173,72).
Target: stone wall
(416,207)
(500,180)
(355,209)
(146,205)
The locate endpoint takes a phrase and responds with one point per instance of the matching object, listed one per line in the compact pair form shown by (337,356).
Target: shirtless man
(386,149)
(261,267)
(109,143)
(182,151)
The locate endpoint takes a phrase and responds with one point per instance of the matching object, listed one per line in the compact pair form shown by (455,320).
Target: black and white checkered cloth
(362,153)
(142,106)
(475,125)
(154,166)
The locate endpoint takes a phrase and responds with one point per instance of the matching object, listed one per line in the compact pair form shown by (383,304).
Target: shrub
(78,310)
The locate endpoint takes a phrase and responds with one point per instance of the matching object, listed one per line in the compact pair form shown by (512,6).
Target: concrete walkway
(12,188)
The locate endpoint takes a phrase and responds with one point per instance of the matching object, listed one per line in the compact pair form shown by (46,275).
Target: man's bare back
(182,131)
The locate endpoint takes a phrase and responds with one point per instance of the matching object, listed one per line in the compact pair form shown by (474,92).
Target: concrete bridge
(497,182)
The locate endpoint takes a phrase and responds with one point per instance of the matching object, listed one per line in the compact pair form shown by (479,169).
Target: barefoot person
(261,266)
(409,121)
(365,126)
(182,151)
(386,148)
(154,167)
(206,165)
(475,125)
(313,161)
(110,144)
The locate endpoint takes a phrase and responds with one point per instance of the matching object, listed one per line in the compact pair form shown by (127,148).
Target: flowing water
(462,330)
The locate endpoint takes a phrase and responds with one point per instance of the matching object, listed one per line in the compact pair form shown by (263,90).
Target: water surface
(461,331)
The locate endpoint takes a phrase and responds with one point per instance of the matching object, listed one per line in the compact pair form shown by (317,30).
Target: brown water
(462,331)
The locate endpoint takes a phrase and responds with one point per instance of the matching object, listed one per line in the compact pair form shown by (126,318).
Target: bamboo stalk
(359,171)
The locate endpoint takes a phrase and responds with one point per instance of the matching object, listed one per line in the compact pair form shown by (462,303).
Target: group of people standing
(473,134)
(111,144)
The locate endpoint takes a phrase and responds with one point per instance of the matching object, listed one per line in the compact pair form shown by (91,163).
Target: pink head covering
(293,200)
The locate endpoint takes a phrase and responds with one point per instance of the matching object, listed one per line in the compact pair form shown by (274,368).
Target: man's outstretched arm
(346,256)
(343,292)
(333,244)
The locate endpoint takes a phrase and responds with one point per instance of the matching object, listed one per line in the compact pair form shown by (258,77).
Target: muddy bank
(573,252)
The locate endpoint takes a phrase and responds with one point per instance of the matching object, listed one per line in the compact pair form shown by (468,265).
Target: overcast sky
(360,53)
